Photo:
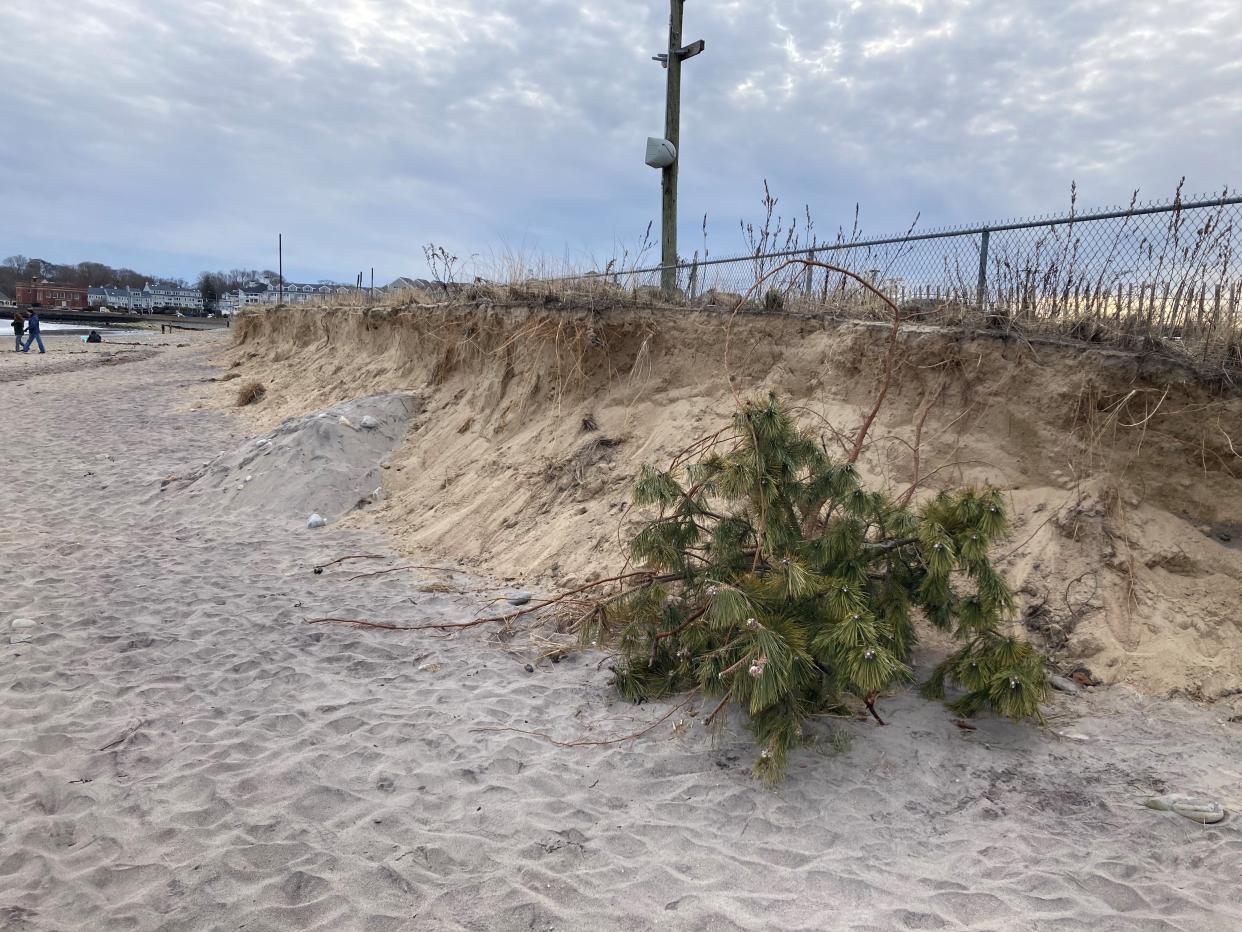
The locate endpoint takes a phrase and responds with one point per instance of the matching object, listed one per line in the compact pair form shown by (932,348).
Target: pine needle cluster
(778,582)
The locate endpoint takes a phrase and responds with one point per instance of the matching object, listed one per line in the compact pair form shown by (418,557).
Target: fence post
(982,287)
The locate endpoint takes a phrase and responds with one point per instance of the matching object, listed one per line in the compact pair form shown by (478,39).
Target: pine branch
(795,605)
(661,635)
(884,546)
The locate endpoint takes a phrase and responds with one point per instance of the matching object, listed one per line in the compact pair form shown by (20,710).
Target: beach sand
(180,750)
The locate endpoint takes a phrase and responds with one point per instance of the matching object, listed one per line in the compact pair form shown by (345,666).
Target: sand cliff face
(532,421)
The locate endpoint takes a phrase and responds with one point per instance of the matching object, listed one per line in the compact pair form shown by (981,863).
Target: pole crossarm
(689,51)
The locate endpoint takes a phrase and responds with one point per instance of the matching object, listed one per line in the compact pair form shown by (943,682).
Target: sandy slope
(180,751)
(1122,471)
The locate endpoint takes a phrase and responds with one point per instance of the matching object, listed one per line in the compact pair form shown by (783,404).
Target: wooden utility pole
(280,267)
(672,60)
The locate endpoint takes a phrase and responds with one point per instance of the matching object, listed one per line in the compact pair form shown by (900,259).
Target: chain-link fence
(1161,277)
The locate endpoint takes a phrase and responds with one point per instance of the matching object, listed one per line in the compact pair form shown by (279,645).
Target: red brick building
(51,294)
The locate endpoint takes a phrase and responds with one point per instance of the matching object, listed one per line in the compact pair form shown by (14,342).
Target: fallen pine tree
(776,581)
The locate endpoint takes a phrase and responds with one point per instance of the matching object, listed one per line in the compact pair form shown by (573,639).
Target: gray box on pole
(660,152)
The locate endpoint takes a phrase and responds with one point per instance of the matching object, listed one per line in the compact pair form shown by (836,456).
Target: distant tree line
(98,275)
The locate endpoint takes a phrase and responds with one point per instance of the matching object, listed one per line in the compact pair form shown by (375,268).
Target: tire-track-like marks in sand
(60,366)
(180,752)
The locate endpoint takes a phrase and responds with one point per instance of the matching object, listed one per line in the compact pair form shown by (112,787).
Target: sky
(176,136)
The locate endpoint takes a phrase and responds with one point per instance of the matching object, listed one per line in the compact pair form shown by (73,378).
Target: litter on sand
(1204,811)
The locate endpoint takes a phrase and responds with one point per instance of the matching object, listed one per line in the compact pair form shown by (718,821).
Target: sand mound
(328,462)
(1120,467)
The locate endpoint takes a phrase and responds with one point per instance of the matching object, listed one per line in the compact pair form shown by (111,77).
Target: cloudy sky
(179,135)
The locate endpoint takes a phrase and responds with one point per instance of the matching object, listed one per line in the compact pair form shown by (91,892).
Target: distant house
(233,301)
(403,283)
(294,293)
(434,290)
(51,294)
(5,300)
(171,297)
(120,299)
(257,293)
(148,299)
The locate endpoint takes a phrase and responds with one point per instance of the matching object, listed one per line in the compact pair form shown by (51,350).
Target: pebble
(1073,736)
(369,422)
(1064,685)
(1083,677)
(22,630)
(315,520)
(519,598)
(529,668)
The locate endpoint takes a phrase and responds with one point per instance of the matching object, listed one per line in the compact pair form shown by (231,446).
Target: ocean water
(48,327)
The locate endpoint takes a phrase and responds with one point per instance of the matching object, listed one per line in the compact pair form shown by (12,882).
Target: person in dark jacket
(32,329)
(94,337)
(19,327)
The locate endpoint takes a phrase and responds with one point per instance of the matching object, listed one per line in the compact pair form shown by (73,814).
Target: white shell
(1205,811)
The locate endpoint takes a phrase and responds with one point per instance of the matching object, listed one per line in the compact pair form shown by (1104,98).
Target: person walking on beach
(32,328)
(19,327)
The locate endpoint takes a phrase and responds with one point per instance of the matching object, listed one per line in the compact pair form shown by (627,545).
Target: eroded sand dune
(1122,470)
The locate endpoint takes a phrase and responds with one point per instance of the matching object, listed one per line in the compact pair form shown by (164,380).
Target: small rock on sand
(315,520)
(369,422)
(1064,685)
(22,630)
(519,598)
(1204,811)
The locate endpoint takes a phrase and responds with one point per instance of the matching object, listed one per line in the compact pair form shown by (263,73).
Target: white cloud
(191,132)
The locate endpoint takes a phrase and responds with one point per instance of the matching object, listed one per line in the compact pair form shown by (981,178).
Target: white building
(170,297)
(233,301)
(147,300)
(293,293)
(119,299)
(258,293)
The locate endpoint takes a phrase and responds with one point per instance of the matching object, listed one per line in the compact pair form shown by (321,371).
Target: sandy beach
(181,751)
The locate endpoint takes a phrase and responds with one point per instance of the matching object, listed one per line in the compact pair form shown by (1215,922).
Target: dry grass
(1164,286)
(569,300)
(250,393)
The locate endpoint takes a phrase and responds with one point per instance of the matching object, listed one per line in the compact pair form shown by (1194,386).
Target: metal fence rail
(1157,276)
